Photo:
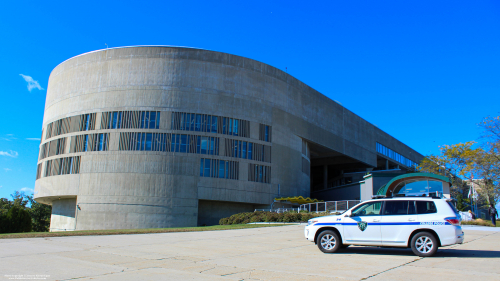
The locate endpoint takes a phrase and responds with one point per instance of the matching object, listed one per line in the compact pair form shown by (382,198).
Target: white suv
(422,223)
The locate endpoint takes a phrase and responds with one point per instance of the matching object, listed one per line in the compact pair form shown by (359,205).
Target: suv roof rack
(434,195)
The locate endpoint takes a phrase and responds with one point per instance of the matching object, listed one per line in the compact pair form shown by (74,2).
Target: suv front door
(362,227)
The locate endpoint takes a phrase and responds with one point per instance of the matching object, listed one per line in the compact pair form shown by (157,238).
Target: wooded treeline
(23,214)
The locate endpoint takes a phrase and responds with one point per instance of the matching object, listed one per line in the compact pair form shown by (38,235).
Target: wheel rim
(328,242)
(424,244)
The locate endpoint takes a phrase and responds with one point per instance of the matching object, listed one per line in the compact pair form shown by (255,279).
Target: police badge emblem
(362,225)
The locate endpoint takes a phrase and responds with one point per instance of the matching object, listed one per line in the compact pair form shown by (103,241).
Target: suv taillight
(453,220)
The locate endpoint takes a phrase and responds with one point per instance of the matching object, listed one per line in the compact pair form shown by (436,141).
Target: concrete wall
(63,215)
(346,192)
(210,212)
(129,189)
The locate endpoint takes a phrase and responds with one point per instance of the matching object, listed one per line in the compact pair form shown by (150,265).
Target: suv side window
(368,209)
(399,207)
(426,207)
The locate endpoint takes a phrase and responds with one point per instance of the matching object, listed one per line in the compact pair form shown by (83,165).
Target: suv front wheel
(329,241)
(424,244)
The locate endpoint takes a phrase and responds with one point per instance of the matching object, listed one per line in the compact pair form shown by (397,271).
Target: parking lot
(271,253)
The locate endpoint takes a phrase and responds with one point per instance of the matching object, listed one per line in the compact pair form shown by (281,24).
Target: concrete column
(254,130)
(98,118)
(386,164)
(325,177)
(165,120)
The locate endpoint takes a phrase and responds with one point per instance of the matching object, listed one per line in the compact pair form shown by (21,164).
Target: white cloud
(8,137)
(32,84)
(10,153)
(35,139)
(7,169)
(27,189)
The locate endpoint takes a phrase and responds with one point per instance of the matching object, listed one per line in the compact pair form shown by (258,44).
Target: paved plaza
(273,253)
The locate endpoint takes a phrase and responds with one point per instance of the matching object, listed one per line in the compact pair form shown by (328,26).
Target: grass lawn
(132,231)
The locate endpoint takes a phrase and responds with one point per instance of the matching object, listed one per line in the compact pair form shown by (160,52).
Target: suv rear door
(398,220)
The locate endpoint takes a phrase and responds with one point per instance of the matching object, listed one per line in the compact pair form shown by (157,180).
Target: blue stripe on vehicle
(385,223)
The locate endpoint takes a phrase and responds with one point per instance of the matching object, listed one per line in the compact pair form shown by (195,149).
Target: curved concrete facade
(119,187)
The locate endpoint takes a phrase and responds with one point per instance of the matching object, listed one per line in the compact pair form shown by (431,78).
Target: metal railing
(329,206)
(278,210)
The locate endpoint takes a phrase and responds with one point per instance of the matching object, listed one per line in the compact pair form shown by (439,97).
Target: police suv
(422,223)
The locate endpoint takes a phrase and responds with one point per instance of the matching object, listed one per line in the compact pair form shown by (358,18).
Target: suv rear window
(426,207)
(452,207)
(399,207)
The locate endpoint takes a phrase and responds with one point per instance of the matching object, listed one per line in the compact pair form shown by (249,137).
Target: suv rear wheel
(424,244)
(329,241)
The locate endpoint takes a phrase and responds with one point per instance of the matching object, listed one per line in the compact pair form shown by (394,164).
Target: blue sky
(425,72)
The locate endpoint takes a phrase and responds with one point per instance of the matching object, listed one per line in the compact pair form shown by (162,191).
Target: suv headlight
(309,222)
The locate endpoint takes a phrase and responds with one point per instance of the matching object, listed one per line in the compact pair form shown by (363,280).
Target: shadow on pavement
(441,253)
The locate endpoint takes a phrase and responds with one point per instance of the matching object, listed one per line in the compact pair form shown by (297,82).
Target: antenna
(106,45)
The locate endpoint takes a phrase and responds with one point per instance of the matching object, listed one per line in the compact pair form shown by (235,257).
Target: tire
(424,244)
(329,242)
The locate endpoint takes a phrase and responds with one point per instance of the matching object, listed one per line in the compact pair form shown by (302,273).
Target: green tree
(40,215)
(18,219)
(471,162)
(14,214)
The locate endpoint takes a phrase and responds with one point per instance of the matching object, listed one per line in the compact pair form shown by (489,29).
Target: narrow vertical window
(206,172)
(214,124)
(222,165)
(244,150)
(85,143)
(212,146)
(250,147)
(101,142)
(235,128)
(149,138)
(204,145)
(197,126)
(184,143)
(152,120)
(87,122)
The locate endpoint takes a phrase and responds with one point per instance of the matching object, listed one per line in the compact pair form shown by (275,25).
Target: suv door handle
(375,220)
(410,219)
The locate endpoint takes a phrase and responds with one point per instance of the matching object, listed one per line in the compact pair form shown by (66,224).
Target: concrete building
(149,137)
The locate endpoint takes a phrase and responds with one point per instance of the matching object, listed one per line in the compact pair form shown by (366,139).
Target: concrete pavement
(274,253)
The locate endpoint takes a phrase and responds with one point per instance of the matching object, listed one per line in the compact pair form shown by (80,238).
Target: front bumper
(309,233)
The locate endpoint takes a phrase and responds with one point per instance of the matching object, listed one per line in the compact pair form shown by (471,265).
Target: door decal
(362,225)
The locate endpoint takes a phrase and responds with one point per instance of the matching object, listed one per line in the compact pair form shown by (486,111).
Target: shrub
(261,216)
(477,222)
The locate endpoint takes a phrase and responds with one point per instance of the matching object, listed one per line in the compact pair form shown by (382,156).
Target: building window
(247,150)
(259,173)
(130,120)
(394,155)
(264,133)
(62,166)
(222,169)
(169,143)
(51,148)
(91,142)
(39,171)
(210,124)
(83,122)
